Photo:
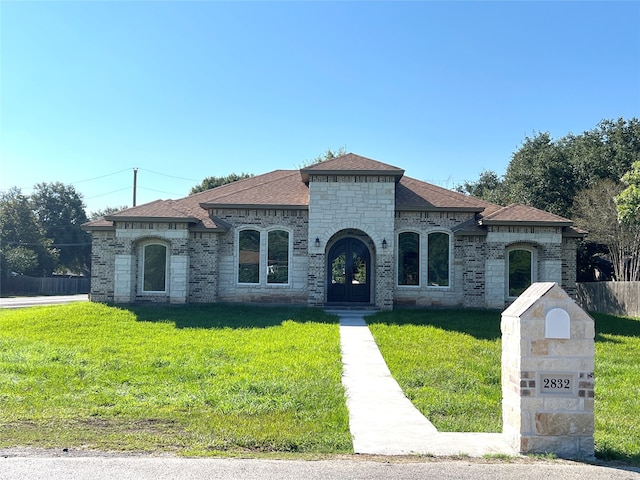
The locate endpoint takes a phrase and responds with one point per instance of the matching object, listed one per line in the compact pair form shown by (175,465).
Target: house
(349,230)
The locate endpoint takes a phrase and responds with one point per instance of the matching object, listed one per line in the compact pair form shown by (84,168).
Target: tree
(24,247)
(328,155)
(595,210)
(60,211)
(106,211)
(489,187)
(541,175)
(628,201)
(213,182)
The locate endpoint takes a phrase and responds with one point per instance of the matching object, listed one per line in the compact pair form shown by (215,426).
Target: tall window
(154,268)
(520,271)
(409,258)
(249,256)
(438,259)
(278,257)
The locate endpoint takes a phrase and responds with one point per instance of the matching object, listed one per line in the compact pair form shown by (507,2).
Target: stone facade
(318,208)
(547,374)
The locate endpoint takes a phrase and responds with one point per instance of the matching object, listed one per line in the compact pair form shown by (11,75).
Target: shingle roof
(350,163)
(518,213)
(281,188)
(286,189)
(415,194)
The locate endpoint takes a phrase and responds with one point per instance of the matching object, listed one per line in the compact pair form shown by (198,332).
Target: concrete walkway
(382,420)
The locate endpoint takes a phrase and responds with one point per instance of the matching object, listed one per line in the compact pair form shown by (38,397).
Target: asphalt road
(20,302)
(14,466)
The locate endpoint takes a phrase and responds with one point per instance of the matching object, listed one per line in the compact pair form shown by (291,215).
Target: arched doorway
(349,272)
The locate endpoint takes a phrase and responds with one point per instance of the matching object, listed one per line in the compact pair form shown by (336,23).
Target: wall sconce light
(317,242)
(384,243)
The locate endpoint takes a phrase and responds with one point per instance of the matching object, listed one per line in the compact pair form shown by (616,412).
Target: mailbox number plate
(557,383)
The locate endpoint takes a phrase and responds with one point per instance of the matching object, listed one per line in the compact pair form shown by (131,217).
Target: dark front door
(349,272)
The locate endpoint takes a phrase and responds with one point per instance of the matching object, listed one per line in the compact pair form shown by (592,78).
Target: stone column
(547,374)
(124,278)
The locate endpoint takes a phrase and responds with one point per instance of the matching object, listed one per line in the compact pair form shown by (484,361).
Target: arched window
(521,273)
(278,256)
(249,256)
(409,258)
(154,270)
(438,259)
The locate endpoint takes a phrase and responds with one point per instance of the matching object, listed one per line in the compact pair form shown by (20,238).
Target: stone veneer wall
(364,203)
(545,241)
(552,416)
(116,268)
(294,221)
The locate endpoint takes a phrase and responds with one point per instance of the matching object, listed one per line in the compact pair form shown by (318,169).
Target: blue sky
(185,90)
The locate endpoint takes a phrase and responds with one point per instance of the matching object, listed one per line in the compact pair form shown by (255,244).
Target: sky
(185,90)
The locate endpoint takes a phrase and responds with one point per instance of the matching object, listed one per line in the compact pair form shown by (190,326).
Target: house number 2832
(556,383)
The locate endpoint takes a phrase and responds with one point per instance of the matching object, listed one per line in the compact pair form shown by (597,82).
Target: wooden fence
(616,298)
(22,285)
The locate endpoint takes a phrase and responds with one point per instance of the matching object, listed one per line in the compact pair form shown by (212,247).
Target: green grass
(193,380)
(448,364)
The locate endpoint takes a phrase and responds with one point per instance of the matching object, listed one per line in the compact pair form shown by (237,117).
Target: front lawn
(448,363)
(193,380)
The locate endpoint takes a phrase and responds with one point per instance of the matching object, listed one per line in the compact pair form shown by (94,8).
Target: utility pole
(135,184)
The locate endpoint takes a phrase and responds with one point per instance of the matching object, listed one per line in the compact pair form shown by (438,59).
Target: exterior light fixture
(384,243)
(317,242)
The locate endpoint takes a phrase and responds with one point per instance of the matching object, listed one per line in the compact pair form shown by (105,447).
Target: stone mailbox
(547,374)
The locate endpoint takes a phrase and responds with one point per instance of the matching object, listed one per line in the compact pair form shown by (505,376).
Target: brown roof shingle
(285,189)
(519,213)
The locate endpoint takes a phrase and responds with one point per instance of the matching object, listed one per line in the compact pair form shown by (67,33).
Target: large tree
(595,209)
(24,247)
(548,174)
(213,182)
(60,211)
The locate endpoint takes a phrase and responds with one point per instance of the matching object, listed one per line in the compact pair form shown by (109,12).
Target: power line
(108,193)
(102,176)
(170,176)
(161,191)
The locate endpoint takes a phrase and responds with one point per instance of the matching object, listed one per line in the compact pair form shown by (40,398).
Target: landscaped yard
(448,364)
(193,380)
(210,380)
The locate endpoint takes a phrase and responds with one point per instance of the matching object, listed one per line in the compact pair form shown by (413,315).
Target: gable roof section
(283,189)
(412,194)
(351,164)
(277,189)
(524,214)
